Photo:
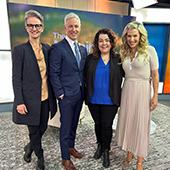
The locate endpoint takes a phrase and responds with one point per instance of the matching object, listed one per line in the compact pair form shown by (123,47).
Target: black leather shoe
(40,163)
(98,152)
(106,160)
(28,151)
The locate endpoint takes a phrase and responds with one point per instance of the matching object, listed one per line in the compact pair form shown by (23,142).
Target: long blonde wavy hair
(143,42)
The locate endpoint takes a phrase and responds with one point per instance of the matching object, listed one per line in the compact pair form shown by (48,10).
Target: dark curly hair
(113,40)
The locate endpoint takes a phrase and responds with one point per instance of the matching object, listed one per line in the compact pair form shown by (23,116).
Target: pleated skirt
(134,117)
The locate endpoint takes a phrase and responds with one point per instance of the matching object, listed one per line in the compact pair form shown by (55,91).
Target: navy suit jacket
(65,76)
(27,82)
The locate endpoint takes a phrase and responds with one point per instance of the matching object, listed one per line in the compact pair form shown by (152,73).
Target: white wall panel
(4,28)
(6,90)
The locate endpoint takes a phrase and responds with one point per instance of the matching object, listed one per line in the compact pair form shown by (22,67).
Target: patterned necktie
(77,54)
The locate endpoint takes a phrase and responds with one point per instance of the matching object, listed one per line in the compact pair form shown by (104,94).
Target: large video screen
(167,72)
(157,38)
(54,24)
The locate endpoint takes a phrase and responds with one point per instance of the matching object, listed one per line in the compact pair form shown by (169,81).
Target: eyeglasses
(37,26)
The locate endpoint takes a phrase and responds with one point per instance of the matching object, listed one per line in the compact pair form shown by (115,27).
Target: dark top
(27,82)
(102,84)
(116,76)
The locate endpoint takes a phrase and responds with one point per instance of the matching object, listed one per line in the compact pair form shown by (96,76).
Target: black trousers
(36,132)
(103,116)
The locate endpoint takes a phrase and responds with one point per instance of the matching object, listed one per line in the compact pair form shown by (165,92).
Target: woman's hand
(153,103)
(22,109)
(155,80)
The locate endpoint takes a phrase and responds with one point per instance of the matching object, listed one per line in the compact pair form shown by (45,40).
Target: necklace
(105,60)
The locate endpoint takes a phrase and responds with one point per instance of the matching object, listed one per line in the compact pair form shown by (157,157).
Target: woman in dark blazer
(103,78)
(33,96)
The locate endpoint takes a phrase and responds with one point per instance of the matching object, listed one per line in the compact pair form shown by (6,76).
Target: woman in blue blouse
(103,78)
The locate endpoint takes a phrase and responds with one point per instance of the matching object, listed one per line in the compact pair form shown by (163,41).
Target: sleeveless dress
(134,118)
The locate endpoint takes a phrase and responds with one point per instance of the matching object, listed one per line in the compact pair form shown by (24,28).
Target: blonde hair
(143,42)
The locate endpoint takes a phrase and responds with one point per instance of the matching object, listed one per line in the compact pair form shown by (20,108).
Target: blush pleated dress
(134,117)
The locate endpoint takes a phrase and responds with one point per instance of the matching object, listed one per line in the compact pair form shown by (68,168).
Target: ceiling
(160,4)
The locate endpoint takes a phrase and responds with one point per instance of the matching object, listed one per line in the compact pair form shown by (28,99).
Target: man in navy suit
(67,79)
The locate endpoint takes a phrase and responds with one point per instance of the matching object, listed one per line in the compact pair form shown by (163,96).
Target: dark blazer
(65,76)
(27,81)
(116,75)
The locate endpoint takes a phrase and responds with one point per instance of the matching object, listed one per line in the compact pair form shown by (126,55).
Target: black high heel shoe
(28,151)
(106,160)
(40,162)
(98,152)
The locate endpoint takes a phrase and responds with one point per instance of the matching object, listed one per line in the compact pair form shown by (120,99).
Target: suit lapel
(70,51)
(82,55)
(96,61)
(34,62)
(68,48)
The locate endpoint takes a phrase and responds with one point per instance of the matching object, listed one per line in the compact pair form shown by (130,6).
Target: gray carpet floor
(14,137)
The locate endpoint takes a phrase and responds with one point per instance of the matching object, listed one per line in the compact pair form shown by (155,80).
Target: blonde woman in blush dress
(139,62)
